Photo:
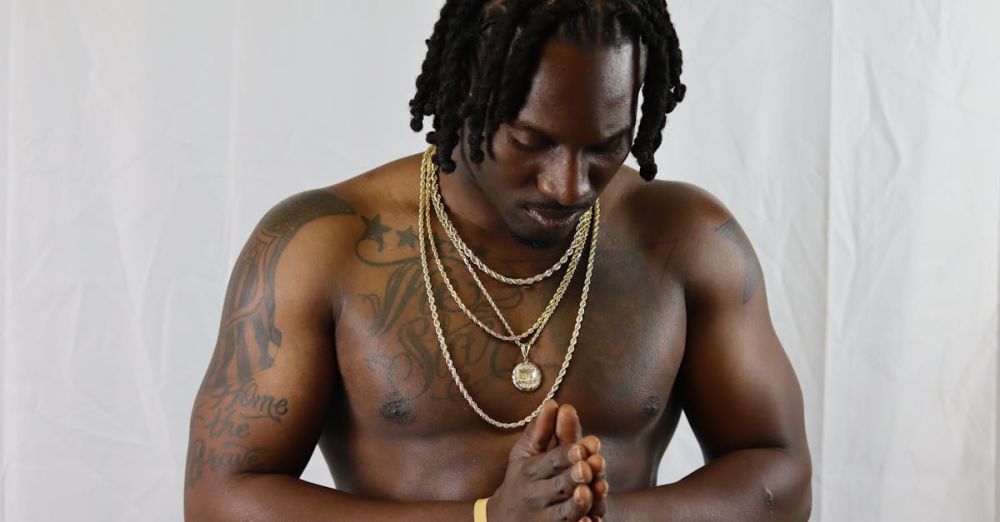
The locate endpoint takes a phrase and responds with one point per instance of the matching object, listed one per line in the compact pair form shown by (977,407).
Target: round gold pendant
(527,376)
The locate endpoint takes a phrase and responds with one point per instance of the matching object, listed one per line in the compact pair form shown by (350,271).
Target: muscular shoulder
(384,189)
(711,254)
(314,232)
(294,212)
(388,189)
(286,286)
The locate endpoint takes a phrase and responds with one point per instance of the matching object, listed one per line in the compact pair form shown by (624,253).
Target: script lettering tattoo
(619,336)
(225,417)
(412,371)
(229,455)
(404,281)
(248,338)
(752,273)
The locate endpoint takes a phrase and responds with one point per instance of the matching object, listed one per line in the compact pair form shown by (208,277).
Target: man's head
(539,97)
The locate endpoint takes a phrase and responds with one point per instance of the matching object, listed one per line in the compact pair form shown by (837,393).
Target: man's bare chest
(395,381)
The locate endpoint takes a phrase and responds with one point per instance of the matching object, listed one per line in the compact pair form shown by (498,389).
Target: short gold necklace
(428,169)
(579,239)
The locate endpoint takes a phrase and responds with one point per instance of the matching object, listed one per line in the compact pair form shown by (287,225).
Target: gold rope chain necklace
(427,169)
(527,376)
(536,328)
(579,239)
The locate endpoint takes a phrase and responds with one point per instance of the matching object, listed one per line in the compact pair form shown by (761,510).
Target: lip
(553,219)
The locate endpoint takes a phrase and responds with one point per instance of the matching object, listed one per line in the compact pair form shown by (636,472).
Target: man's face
(570,138)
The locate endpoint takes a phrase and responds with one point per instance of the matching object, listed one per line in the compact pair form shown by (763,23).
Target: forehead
(584,90)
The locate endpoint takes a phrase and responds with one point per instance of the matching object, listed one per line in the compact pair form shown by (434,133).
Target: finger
(551,463)
(600,490)
(561,487)
(538,433)
(573,508)
(542,426)
(592,443)
(598,464)
(568,424)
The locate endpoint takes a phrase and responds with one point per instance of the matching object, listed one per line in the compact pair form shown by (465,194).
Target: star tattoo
(407,238)
(375,230)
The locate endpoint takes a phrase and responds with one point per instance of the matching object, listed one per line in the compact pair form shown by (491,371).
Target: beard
(541,241)
(541,244)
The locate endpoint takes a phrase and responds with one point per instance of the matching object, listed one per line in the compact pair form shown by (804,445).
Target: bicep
(737,386)
(264,398)
(268,421)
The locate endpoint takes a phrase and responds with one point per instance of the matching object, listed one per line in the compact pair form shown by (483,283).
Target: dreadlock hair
(482,55)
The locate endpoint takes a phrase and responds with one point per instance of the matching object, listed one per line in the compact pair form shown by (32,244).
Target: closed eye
(534,144)
(612,146)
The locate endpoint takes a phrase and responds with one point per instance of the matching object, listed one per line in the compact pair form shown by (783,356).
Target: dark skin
(326,338)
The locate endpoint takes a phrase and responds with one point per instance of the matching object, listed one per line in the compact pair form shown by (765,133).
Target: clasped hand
(554,473)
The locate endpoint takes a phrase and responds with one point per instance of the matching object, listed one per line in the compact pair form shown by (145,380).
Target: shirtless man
(328,335)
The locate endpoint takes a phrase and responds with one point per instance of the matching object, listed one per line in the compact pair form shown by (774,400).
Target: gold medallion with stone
(527,376)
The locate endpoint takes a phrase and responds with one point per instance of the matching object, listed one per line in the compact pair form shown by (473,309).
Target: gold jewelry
(579,239)
(424,224)
(527,376)
(479,511)
(511,337)
(575,251)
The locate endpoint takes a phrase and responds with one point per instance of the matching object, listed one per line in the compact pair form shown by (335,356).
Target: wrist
(617,507)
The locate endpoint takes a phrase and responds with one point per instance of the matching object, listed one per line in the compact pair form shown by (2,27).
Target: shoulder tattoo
(248,338)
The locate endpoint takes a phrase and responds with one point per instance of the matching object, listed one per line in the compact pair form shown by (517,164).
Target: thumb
(567,425)
(538,433)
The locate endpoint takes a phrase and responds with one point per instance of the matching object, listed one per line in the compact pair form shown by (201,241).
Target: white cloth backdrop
(857,141)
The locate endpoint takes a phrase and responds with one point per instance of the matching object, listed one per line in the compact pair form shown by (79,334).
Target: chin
(542,239)
(537,243)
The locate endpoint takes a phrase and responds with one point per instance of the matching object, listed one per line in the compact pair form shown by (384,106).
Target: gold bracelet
(479,511)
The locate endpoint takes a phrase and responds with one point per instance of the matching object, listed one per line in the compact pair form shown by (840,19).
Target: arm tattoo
(248,338)
(752,274)
(224,418)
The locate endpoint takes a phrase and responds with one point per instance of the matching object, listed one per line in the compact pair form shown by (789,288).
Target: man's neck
(480,225)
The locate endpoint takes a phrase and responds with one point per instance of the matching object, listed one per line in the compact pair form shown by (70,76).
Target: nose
(566,179)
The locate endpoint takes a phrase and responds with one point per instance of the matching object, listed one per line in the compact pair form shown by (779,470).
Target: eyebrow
(521,124)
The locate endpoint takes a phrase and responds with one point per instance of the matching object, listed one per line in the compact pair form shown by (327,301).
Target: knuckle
(558,486)
(561,488)
(555,461)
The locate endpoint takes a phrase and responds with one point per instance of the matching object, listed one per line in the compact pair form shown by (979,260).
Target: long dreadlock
(498,41)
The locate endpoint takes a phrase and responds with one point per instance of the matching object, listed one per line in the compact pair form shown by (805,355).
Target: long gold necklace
(424,226)
(527,376)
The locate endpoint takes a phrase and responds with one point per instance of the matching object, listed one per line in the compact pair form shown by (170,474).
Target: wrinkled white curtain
(858,142)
